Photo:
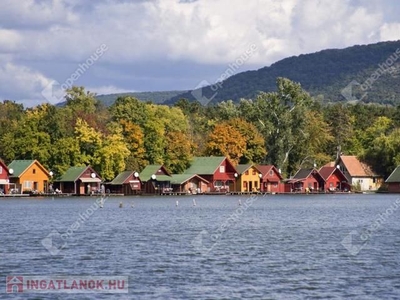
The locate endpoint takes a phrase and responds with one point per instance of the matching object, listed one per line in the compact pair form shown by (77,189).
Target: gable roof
(72,174)
(243,168)
(20,166)
(205,165)
(355,167)
(305,173)
(265,169)
(149,170)
(122,177)
(182,178)
(327,172)
(395,176)
(302,173)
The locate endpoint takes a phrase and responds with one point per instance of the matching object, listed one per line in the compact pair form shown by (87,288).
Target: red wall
(394,187)
(227,175)
(269,187)
(4,175)
(337,181)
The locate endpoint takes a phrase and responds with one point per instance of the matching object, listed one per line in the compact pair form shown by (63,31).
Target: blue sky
(170,44)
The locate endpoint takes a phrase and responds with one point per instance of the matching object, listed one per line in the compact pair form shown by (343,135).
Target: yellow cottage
(248,179)
(28,176)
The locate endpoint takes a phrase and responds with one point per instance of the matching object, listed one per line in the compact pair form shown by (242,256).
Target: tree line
(287,128)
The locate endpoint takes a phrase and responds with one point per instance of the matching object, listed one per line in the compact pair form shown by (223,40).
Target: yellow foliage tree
(227,141)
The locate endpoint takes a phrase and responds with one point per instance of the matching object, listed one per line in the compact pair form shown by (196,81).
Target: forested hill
(155,97)
(324,73)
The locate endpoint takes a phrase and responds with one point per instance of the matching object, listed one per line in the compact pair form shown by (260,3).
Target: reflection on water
(273,247)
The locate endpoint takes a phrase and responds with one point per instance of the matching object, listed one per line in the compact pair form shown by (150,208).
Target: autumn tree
(134,140)
(255,151)
(109,159)
(227,141)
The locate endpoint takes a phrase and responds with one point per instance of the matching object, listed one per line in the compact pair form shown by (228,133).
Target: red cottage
(304,181)
(335,180)
(217,170)
(155,179)
(4,178)
(271,179)
(79,181)
(127,183)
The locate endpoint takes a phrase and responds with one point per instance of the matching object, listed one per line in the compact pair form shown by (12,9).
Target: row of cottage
(205,175)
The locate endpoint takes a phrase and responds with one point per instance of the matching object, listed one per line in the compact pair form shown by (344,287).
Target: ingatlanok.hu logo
(66,284)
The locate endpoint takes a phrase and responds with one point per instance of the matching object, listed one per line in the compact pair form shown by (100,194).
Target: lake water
(272,247)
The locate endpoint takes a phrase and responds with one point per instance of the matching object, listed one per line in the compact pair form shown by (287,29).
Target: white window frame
(27,184)
(222,169)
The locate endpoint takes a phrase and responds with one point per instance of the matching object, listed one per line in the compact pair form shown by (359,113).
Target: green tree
(109,158)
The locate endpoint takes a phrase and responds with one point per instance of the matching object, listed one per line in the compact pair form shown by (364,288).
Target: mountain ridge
(332,75)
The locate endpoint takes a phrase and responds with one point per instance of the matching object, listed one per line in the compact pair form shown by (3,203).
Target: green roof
(205,165)
(163,178)
(145,175)
(182,178)
(72,174)
(395,176)
(121,178)
(243,168)
(19,166)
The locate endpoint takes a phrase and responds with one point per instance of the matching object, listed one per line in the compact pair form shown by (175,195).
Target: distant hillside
(155,97)
(333,75)
(324,73)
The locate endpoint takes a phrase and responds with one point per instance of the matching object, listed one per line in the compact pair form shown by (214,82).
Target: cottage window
(256,184)
(218,183)
(247,172)
(331,184)
(34,171)
(27,185)
(271,173)
(254,172)
(275,184)
(222,169)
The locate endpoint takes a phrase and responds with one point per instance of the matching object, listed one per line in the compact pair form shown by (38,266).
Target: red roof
(265,169)
(327,172)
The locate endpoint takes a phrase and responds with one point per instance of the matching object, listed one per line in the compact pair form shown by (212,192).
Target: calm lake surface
(272,247)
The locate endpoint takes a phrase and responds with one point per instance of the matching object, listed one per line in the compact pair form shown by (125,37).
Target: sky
(112,46)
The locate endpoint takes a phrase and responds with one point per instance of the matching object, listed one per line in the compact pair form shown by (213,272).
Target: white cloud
(19,82)
(40,34)
(389,32)
(10,40)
